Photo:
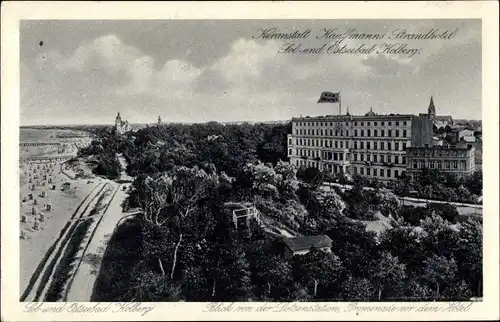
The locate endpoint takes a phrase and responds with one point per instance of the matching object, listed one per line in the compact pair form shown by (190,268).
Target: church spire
(431,112)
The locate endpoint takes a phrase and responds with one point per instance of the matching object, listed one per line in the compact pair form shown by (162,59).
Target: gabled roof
(306,242)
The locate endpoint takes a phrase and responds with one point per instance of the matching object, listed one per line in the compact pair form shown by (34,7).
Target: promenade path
(417,201)
(81,288)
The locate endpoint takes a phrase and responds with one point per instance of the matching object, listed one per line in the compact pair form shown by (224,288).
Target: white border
(12,12)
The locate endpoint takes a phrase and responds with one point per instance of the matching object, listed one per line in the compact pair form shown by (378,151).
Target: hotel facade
(372,145)
(457,160)
(376,146)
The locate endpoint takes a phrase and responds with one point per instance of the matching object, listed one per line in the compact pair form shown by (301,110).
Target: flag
(329,97)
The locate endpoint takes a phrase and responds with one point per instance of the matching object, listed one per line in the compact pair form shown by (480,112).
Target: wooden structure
(246,213)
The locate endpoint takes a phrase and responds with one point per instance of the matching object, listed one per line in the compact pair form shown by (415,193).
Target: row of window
(362,145)
(375,145)
(369,133)
(379,158)
(374,172)
(356,123)
(364,171)
(438,153)
(448,165)
(362,157)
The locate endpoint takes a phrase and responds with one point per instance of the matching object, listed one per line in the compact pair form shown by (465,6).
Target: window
(290,141)
(290,151)
(368,157)
(336,133)
(362,123)
(448,165)
(374,172)
(355,170)
(404,123)
(355,156)
(341,156)
(341,144)
(335,157)
(368,133)
(346,132)
(374,158)
(455,165)
(367,171)
(375,145)
(321,131)
(396,146)
(361,145)
(368,145)
(382,133)
(414,164)
(389,133)
(397,133)
(440,164)
(362,171)
(321,123)
(375,123)
(381,172)
(397,123)
(405,133)
(362,133)
(321,142)
(422,164)
(355,123)
(355,145)
(368,123)
(404,160)
(404,145)
(396,174)
(355,132)
(374,132)
(390,123)
(433,164)
(382,158)
(388,173)
(389,145)
(362,157)
(336,144)
(383,123)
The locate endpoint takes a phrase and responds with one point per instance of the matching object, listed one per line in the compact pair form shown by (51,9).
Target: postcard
(250,161)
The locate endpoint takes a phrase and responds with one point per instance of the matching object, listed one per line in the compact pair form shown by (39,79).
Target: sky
(86,71)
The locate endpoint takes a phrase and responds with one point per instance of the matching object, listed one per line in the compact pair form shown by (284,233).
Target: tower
(159,120)
(431,111)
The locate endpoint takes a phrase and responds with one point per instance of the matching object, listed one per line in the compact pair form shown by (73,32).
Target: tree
(274,271)
(171,198)
(439,271)
(469,254)
(319,267)
(388,274)
(357,289)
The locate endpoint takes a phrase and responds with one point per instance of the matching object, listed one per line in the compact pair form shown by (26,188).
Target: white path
(81,288)
(416,200)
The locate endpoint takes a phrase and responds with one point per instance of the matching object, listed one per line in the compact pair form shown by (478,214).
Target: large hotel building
(370,145)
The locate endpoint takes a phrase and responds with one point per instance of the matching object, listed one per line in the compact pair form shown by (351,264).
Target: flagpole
(340,103)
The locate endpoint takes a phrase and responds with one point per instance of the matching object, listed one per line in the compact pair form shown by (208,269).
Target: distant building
(302,245)
(438,120)
(121,126)
(456,160)
(370,145)
(159,120)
